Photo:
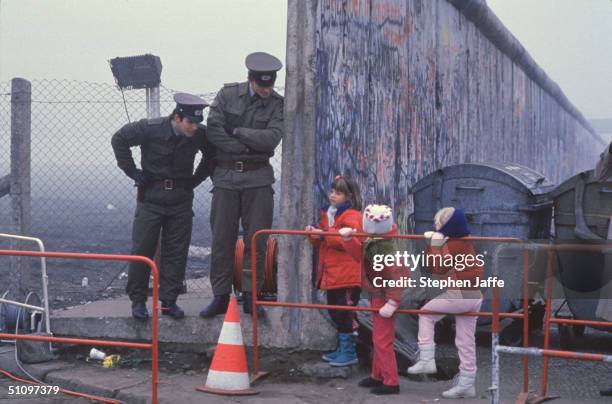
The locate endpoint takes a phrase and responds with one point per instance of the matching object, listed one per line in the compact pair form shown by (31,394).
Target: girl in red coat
(338,273)
(378,221)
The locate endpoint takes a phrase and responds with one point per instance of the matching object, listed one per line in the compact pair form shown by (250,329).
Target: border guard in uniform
(245,123)
(165,196)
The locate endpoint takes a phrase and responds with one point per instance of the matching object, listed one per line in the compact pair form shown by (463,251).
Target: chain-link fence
(81,200)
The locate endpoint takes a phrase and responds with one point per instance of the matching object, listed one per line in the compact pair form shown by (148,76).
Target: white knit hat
(377,219)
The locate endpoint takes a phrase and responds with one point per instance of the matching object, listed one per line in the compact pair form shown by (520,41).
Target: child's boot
(348,353)
(383,389)
(331,356)
(463,387)
(427,360)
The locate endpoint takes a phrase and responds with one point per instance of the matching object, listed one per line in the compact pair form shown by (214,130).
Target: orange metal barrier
(153,346)
(257,302)
(548,320)
(545,352)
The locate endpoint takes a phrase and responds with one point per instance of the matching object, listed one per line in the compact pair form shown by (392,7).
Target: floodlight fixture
(134,72)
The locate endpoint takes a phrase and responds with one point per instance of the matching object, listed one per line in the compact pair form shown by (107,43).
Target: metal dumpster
(583,207)
(582,215)
(503,200)
(499,199)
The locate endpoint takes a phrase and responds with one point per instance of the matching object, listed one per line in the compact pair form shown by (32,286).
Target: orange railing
(545,352)
(524,316)
(152,346)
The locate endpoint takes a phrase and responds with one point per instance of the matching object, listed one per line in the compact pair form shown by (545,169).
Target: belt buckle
(239,166)
(168,185)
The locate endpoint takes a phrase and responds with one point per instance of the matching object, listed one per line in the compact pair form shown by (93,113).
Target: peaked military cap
(263,67)
(191,106)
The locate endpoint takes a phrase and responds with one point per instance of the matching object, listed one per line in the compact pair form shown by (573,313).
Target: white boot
(427,360)
(463,386)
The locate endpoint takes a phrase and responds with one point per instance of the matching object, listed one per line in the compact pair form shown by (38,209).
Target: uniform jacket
(164,155)
(456,246)
(362,250)
(336,268)
(260,129)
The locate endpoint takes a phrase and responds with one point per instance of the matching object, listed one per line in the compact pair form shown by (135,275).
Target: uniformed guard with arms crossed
(165,195)
(245,123)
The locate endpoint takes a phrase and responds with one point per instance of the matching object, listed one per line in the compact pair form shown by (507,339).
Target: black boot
(247,304)
(170,308)
(369,382)
(139,311)
(606,393)
(383,389)
(218,305)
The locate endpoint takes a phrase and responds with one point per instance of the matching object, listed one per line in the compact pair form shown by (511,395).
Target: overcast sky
(203,43)
(572,41)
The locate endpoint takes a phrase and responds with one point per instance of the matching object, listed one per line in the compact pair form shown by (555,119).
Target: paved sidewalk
(576,382)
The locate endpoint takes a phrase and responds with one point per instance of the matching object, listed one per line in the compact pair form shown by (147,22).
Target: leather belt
(242,166)
(170,184)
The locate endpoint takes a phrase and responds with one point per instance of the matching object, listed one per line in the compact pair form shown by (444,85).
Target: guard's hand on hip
(141,179)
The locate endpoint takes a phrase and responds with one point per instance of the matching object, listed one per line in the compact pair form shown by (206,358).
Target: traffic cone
(228,373)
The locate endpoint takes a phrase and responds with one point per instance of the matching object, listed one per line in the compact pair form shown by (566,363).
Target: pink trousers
(453,301)
(384,365)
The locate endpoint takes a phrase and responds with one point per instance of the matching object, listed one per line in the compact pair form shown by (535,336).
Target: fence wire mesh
(81,200)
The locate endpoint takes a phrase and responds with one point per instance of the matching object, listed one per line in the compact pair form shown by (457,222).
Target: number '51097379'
(32,390)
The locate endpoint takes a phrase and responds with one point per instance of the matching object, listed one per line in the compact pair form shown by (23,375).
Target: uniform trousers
(253,208)
(175,223)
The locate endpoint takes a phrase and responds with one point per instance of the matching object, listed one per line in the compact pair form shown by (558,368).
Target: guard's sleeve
(216,133)
(264,140)
(207,163)
(132,134)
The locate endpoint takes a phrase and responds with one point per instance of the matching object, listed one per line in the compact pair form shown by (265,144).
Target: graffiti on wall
(405,87)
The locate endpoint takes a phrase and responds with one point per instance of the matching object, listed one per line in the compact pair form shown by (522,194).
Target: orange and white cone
(228,373)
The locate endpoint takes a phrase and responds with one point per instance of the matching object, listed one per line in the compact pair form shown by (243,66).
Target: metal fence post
(21,119)
(153,110)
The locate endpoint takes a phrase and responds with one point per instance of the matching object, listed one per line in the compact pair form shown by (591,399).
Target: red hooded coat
(454,247)
(336,268)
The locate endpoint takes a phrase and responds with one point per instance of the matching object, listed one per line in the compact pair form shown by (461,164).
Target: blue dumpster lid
(535,182)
